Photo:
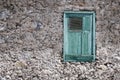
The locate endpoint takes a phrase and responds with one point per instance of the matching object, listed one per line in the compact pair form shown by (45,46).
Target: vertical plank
(79,48)
(93,37)
(87,23)
(85,43)
(70,49)
(87,35)
(65,37)
(74,43)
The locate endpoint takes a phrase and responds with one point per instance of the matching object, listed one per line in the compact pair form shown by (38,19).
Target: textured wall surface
(31,40)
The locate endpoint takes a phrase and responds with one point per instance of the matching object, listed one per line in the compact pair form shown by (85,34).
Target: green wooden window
(79,36)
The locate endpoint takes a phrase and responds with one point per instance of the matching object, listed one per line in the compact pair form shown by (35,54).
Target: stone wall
(31,40)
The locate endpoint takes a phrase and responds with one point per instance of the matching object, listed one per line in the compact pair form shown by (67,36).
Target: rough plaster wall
(31,39)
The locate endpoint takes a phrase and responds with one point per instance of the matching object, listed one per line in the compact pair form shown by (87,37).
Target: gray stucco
(31,40)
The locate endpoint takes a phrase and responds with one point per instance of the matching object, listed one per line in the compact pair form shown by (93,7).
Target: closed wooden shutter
(79,36)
